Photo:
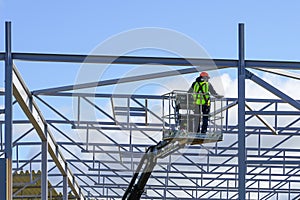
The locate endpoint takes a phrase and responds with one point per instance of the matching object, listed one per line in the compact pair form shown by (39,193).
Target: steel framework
(258,158)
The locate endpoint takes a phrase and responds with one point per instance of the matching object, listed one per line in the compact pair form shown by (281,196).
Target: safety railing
(184,118)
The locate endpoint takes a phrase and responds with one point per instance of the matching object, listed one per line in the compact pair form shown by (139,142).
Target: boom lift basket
(182,120)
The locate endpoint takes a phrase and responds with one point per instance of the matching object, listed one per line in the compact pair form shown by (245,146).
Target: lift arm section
(146,166)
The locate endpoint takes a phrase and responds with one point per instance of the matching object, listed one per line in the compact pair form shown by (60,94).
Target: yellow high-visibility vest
(202,97)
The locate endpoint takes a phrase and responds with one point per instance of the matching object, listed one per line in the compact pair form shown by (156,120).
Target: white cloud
(253,90)
(229,85)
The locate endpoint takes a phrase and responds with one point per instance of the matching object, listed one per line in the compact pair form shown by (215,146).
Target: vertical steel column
(241,116)
(1,137)
(131,149)
(44,175)
(8,112)
(3,174)
(65,184)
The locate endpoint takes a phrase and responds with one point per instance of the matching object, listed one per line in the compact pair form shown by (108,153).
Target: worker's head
(204,76)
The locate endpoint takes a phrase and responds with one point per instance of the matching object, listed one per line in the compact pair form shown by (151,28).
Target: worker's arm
(213,91)
(191,90)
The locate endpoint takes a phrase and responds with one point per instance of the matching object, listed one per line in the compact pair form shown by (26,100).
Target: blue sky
(272,27)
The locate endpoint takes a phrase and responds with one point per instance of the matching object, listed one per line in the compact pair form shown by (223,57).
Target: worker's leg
(197,118)
(205,111)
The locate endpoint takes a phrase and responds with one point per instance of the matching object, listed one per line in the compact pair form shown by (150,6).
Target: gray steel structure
(243,166)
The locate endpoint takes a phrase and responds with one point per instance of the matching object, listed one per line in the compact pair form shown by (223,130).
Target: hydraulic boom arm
(148,162)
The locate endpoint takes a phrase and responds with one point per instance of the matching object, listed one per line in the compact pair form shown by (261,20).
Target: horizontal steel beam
(118,128)
(189,148)
(121,172)
(273,162)
(137,154)
(286,65)
(31,110)
(99,95)
(105,59)
(76,58)
(154,60)
(226,129)
(209,188)
(153,97)
(136,96)
(273,113)
(206,175)
(2,56)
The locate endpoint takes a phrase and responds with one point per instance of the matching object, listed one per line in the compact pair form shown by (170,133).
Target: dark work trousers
(197,120)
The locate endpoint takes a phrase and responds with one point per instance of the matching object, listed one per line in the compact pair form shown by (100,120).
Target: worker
(202,90)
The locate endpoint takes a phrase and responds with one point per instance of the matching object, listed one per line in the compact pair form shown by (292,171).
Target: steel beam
(273,90)
(8,112)
(55,90)
(135,60)
(65,184)
(2,56)
(123,80)
(263,121)
(241,116)
(284,73)
(100,95)
(273,113)
(286,65)
(3,176)
(65,188)
(44,174)
(274,162)
(31,110)
(102,59)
